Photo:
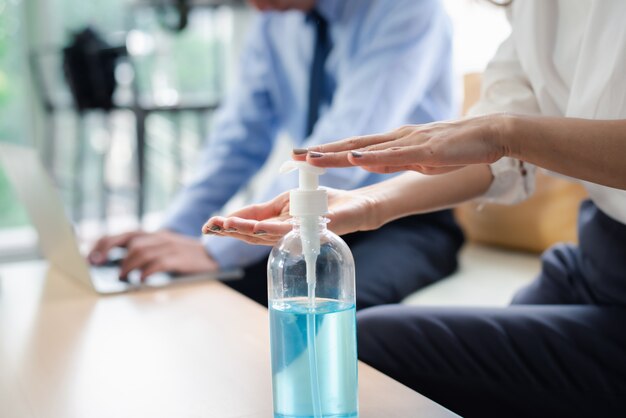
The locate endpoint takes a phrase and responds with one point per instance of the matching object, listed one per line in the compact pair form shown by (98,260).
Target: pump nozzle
(308,203)
(308,199)
(308,175)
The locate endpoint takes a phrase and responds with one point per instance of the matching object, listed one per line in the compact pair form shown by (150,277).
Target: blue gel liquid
(335,354)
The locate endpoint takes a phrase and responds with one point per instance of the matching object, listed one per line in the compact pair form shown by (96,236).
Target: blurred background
(118,158)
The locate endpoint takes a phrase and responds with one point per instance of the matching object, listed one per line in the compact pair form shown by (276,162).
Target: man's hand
(98,254)
(161,251)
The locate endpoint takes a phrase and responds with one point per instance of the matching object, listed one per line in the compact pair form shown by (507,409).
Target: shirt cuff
(230,253)
(513,182)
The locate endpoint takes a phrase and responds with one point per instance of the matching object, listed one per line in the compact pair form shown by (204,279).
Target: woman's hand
(266,223)
(433,148)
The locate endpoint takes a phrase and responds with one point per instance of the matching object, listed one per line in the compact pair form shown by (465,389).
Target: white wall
(479,27)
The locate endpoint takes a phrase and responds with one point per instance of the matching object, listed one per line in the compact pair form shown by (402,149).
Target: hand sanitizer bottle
(312,310)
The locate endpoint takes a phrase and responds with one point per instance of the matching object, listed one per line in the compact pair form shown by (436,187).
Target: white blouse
(563,58)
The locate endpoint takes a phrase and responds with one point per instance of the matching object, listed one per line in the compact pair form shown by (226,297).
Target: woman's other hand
(433,148)
(266,223)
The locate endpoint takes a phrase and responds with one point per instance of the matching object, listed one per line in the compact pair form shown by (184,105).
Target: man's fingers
(140,257)
(98,255)
(145,244)
(158,265)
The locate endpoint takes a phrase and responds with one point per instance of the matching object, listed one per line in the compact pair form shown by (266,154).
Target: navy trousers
(558,351)
(391,262)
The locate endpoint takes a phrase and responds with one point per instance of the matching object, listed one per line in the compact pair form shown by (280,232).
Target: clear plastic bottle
(312,318)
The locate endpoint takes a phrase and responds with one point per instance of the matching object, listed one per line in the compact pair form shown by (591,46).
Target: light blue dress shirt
(391,64)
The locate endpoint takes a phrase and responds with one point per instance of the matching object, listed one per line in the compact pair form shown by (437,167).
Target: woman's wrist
(373,201)
(508,133)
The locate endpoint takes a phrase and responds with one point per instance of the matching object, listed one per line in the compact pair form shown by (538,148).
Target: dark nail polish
(215,228)
(299,151)
(356,154)
(315,154)
(230,230)
(260,233)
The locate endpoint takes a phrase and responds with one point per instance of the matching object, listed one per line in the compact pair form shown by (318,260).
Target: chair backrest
(546,218)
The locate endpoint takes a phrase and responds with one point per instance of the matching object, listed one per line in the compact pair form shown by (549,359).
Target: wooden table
(196,350)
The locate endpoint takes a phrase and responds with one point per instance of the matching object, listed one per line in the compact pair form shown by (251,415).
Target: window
(194,61)
(12,102)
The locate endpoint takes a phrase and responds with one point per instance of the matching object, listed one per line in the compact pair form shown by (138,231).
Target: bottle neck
(319,222)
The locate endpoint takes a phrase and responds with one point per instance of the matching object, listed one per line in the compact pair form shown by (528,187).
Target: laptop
(57,240)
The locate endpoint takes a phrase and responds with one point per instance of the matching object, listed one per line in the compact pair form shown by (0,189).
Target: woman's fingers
(347,158)
(238,228)
(261,211)
(329,159)
(437,148)
(394,156)
(335,154)
(265,229)
(253,239)
(214,225)
(263,223)
(258,231)
(439,170)
(355,142)
(388,169)
(239,225)
(299,154)
(273,228)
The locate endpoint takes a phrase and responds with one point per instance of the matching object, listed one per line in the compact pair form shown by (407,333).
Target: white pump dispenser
(308,199)
(308,203)
(312,317)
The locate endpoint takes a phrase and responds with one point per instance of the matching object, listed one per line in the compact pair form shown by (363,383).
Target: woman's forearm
(592,150)
(413,193)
